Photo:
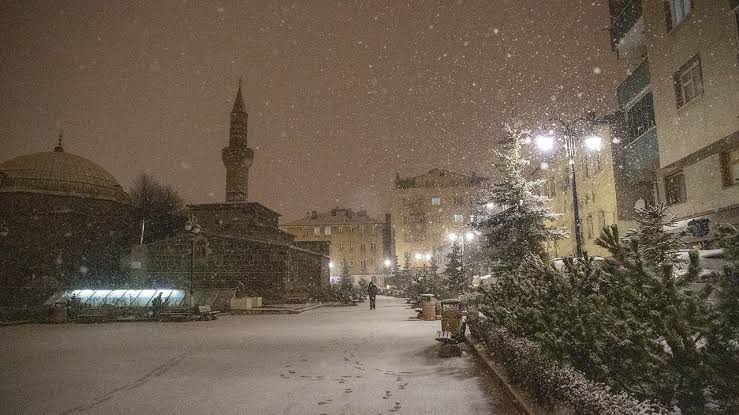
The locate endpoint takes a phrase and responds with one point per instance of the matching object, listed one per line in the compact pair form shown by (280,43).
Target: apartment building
(684,56)
(426,209)
(355,237)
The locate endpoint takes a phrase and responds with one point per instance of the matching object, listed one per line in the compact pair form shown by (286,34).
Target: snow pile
(555,384)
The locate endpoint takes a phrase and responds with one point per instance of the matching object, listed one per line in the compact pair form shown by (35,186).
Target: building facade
(355,238)
(596,189)
(239,245)
(686,54)
(426,209)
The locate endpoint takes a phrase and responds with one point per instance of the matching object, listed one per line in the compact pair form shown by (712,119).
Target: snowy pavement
(344,360)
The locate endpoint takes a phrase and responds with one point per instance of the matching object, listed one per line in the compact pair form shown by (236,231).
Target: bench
(206,313)
(449,344)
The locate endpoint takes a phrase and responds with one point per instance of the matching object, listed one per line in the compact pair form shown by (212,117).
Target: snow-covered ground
(346,360)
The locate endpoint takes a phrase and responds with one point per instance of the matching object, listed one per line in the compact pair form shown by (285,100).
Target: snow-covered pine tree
(345,283)
(455,279)
(518,227)
(657,246)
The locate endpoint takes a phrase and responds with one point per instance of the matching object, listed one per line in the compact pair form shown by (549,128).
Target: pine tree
(518,228)
(345,283)
(657,246)
(455,278)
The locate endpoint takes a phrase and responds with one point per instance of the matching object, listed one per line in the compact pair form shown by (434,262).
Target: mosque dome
(59,173)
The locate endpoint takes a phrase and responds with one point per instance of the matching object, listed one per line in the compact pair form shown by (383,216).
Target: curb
(267,311)
(522,404)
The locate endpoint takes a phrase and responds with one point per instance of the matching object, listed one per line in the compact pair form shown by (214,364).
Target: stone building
(239,244)
(66,220)
(355,237)
(684,78)
(425,209)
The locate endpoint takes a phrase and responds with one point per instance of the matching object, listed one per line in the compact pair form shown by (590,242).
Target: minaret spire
(239,101)
(59,148)
(237,156)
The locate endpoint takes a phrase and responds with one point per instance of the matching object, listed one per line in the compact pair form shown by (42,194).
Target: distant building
(425,209)
(240,245)
(681,98)
(355,237)
(66,221)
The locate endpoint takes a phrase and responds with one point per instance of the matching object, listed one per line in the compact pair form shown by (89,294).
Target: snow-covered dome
(59,173)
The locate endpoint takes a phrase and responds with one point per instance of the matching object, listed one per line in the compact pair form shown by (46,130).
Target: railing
(622,23)
(633,84)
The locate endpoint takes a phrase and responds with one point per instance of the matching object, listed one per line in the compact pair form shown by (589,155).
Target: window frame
(729,159)
(672,18)
(694,69)
(435,201)
(670,186)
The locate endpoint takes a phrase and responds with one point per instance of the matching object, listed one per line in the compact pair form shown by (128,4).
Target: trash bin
(428,307)
(451,315)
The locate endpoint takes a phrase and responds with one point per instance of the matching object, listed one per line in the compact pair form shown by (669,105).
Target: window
(307,232)
(373,246)
(341,246)
(601,219)
(689,82)
(317,230)
(675,188)
(472,218)
(585,165)
(362,246)
(640,117)
(592,196)
(436,201)
(351,262)
(458,218)
(675,12)
(598,165)
(458,200)
(589,226)
(361,229)
(341,229)
(730,167)
(327,230)
(363,263)
(351,246)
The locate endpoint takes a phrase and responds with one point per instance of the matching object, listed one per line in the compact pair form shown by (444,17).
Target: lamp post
(193,229)
(571,136)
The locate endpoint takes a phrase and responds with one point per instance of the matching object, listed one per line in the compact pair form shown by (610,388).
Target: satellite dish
(640,204)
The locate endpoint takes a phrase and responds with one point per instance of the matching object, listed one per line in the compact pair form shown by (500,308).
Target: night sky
(340,95)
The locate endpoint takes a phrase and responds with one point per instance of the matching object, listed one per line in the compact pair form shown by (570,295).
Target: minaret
(237,157)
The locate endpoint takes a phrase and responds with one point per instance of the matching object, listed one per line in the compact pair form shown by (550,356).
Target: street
(341,360)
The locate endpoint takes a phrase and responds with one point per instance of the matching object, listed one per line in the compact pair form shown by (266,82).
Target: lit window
(458,218)
(317,230)
(675,12)
(730,167)
(327,230)
(436,201)
(689,82)
(675,188)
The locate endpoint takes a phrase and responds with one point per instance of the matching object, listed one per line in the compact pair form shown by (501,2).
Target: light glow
(544,142)
(469,236)
(594,143)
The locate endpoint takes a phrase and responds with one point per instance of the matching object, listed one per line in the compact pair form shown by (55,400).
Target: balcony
(634,84)
(628,26)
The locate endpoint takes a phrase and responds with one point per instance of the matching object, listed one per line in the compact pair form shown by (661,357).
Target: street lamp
(571,134)
(193,229)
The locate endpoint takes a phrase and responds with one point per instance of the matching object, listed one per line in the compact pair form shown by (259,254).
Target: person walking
(372,292)
(156,305)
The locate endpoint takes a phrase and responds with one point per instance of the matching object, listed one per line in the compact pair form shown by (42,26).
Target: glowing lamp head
(427,256)
(330,264)
(469,236)
(452,236)
(388,263)
(594,143)
(544,142)
(418,255)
